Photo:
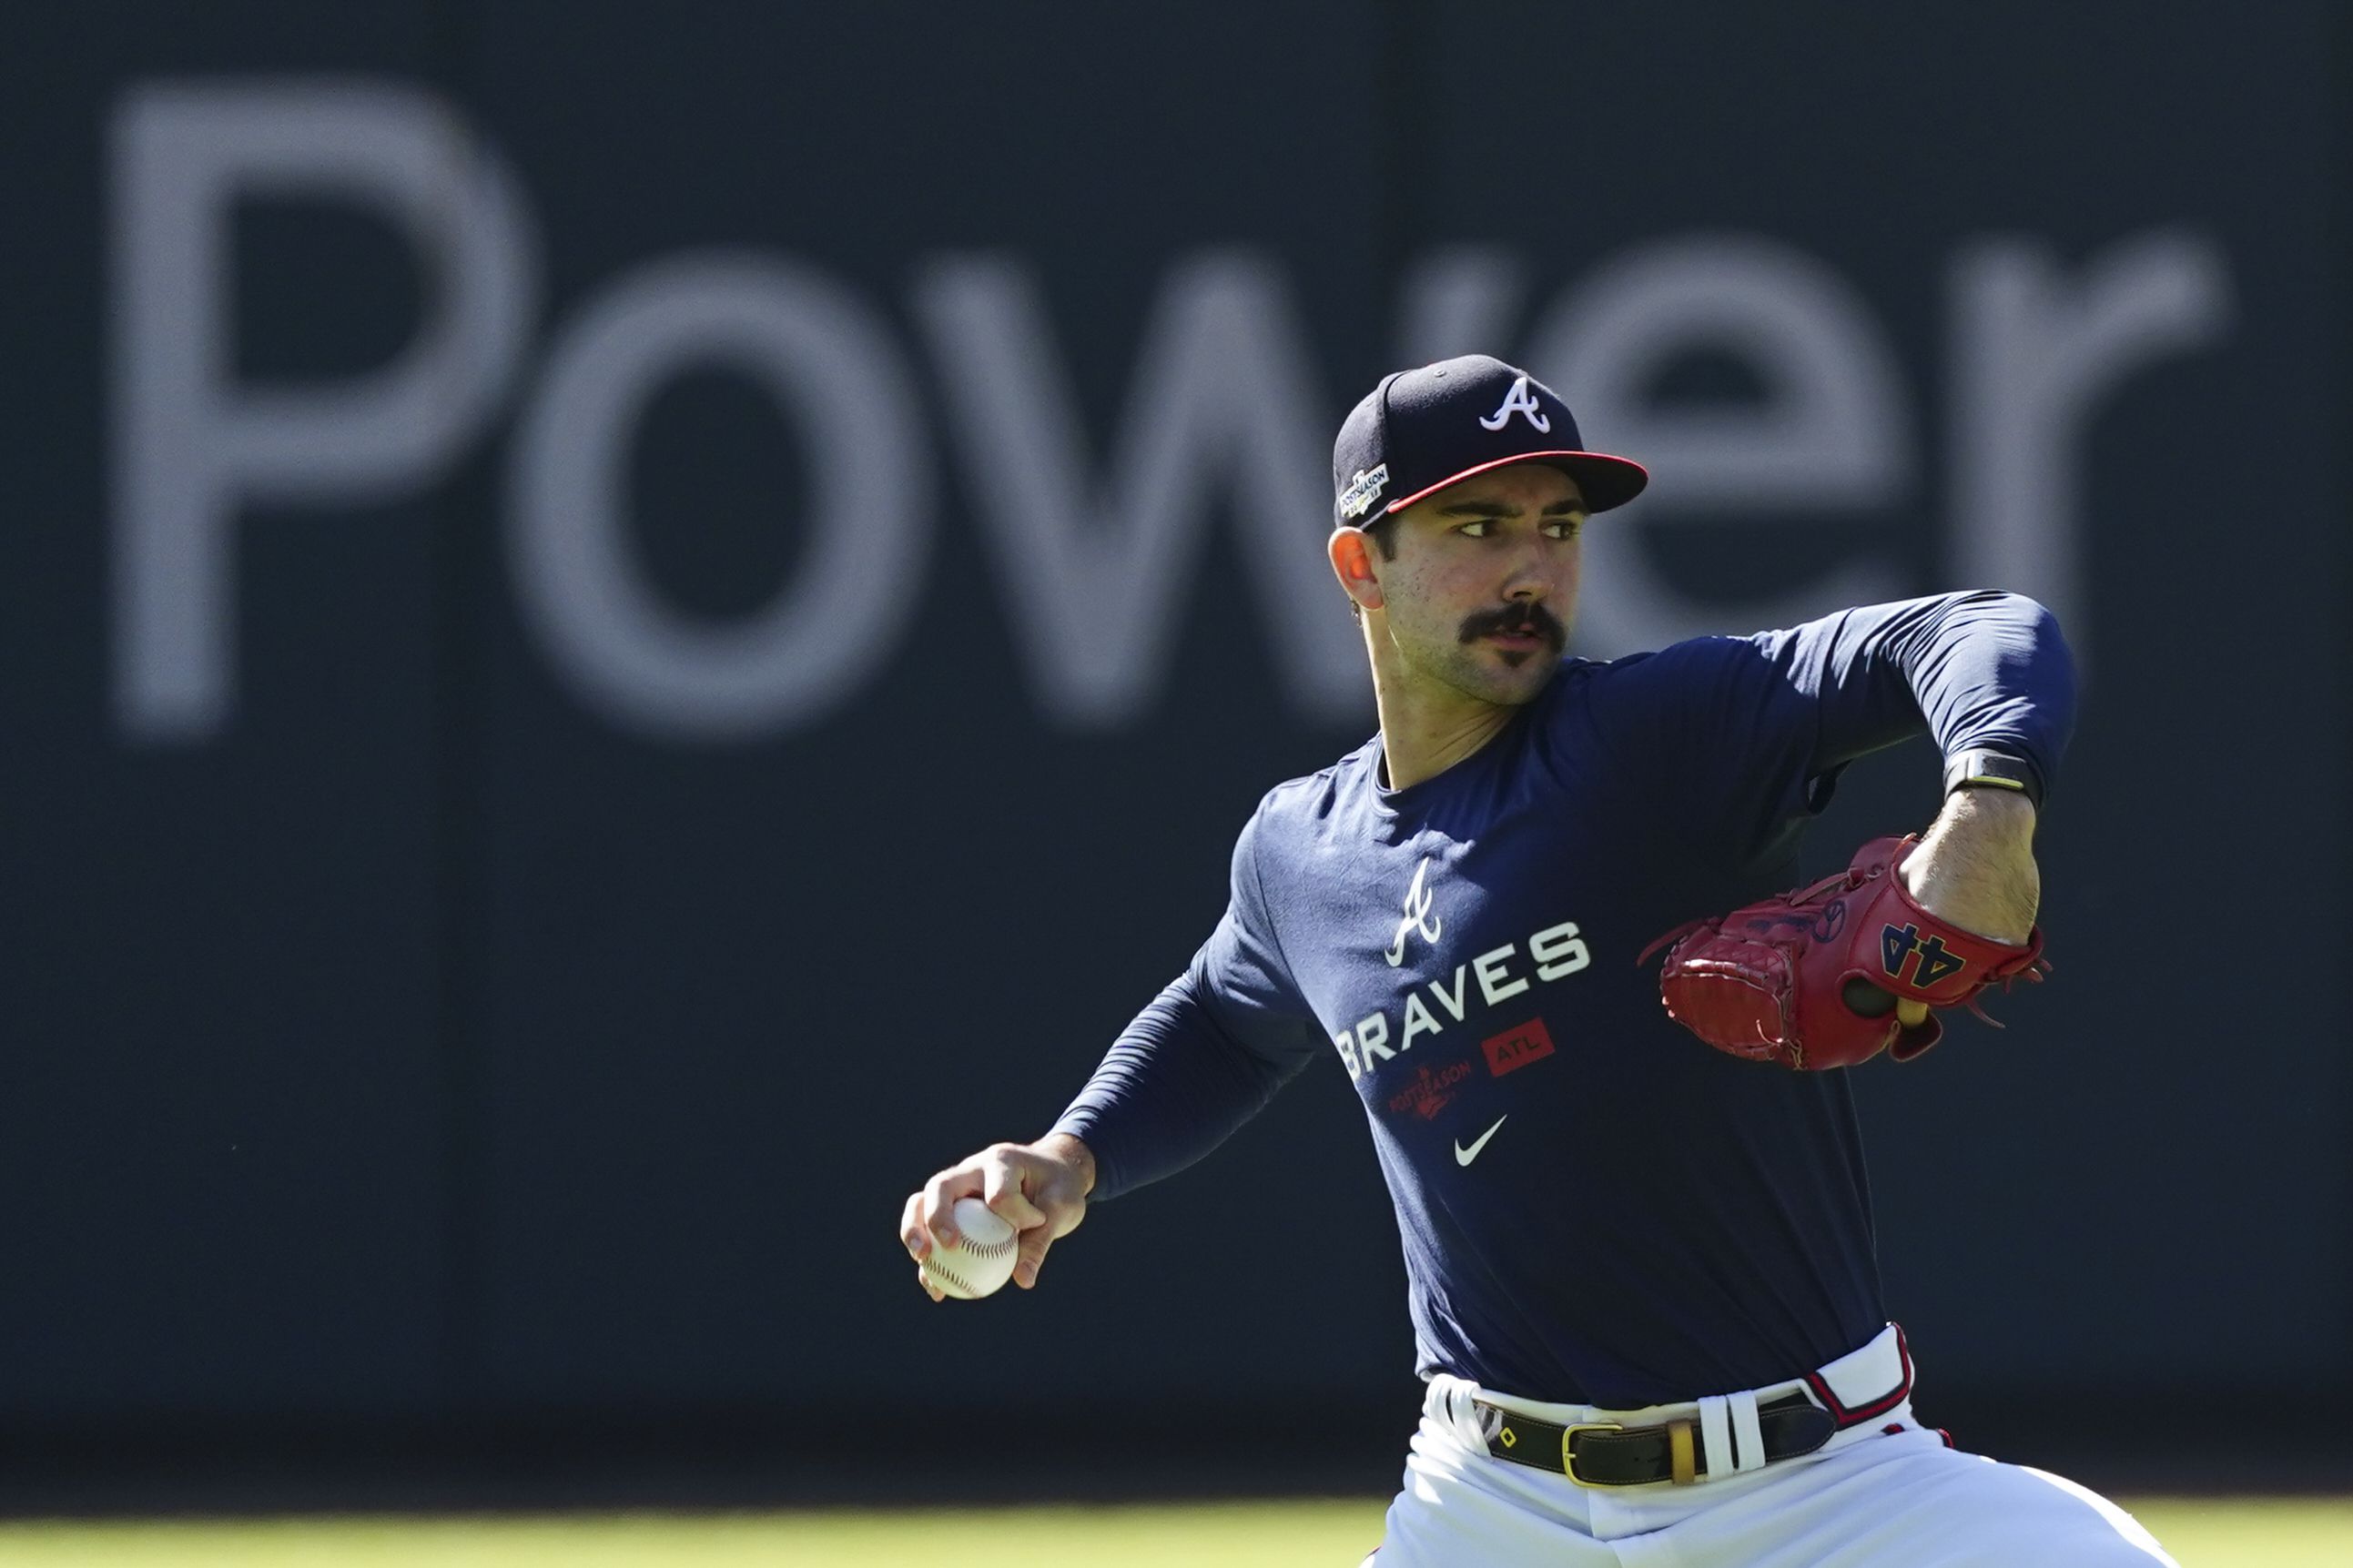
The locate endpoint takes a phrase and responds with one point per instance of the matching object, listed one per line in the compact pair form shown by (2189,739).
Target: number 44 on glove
(1814,979)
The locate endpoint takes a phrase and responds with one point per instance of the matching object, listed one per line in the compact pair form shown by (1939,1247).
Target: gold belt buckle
(1568,1450)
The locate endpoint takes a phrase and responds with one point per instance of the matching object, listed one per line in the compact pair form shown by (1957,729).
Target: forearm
(1975,866)
(1980,670)
(1993,671)
(1174,1086)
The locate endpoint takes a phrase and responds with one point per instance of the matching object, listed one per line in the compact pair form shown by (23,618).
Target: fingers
(1031,1255)
(1036,1189)
(936,1209)
(928,1221)
(911,1229)
(1001,1189)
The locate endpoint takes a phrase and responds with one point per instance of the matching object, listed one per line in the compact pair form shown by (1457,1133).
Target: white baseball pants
(1884,1492)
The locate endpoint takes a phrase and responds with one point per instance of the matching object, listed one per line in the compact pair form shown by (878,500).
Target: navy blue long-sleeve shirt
(1594,1206)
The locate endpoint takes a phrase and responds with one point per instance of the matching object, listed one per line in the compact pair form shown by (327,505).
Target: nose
(1526,584)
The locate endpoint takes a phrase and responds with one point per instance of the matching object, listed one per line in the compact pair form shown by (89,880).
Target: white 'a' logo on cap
(1519,400)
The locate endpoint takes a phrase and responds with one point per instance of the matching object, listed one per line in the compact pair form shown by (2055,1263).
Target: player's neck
(1426,728)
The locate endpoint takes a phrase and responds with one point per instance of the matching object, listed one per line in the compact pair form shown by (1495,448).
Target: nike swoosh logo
(1464,1156)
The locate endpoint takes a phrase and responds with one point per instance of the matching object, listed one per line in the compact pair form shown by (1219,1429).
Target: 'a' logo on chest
(1419,900)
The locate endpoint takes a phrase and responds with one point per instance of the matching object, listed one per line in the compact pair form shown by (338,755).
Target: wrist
(1993,773)
(1067,1148)
(1992,815)
(1976,866)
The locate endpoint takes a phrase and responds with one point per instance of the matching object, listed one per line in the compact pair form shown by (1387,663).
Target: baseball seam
(989,1250)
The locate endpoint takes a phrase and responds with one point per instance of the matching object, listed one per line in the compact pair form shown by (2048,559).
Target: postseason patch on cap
(1363,490)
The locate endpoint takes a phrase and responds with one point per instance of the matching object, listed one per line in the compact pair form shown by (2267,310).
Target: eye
(1568,527)
(1476,530)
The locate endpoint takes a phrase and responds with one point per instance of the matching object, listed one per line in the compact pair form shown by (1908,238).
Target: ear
(1352,563)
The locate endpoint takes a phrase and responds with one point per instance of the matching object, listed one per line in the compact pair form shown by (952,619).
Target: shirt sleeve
(1205,1056)
(1743,738)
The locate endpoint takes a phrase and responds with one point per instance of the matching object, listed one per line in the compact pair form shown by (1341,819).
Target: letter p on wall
(190,443)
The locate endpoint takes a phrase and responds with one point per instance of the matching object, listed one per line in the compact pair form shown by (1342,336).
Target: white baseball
(982,1261)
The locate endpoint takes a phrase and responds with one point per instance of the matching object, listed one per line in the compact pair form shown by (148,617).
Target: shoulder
(1694,671)
(1691,658)
(1291,821)
(1300,805)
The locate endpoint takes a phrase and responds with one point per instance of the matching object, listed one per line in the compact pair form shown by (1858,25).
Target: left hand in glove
(1832,974)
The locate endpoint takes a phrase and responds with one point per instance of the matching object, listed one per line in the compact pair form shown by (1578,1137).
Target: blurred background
(626,628)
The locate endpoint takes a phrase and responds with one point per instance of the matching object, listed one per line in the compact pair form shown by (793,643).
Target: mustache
(1529,618)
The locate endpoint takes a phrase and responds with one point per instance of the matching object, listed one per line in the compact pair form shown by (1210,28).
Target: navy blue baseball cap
(1421,430)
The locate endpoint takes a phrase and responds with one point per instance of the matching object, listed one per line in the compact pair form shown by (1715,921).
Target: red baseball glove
(1812,979)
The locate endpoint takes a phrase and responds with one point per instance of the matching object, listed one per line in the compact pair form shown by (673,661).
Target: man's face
(1483,589)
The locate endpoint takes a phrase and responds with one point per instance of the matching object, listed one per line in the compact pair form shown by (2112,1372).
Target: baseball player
(1643,1284)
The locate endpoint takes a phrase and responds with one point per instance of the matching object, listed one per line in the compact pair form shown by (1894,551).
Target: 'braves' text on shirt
(1501,973)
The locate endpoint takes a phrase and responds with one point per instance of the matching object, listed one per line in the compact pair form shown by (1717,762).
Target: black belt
(1604,1454)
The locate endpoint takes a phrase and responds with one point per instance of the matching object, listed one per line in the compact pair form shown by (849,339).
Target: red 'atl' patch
(1515,1049)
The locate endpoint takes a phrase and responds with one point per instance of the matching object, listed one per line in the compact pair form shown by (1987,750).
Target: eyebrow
(1497,510)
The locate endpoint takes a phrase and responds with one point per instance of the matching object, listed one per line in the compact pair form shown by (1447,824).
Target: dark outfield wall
(623,635)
